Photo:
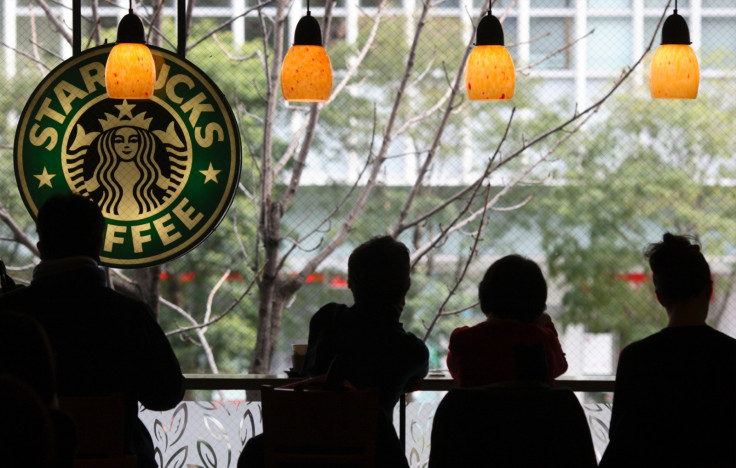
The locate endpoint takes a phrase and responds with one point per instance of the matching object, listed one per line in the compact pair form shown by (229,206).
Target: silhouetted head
(378,272)
(513,288)
(69,225)
(679,269)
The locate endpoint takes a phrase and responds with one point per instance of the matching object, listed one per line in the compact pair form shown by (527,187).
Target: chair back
(100,425)
(512,426)
(303,427)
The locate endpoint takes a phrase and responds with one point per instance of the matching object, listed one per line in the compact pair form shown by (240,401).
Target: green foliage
(644,168)
(12,99)
(641,168)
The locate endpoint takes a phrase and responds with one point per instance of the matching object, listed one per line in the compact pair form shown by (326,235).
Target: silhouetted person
(675,395)
(25,354)
(366,343)
(26,430)
(518,340)
(103,342)
(370,344)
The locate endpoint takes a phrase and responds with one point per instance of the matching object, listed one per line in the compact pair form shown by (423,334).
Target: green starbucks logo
(163,171)
(128,166)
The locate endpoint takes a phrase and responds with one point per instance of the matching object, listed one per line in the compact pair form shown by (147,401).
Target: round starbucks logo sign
(163,171)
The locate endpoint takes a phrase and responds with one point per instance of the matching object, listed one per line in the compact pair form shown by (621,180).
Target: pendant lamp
(130,72)
(490,74)
(306,74)
(674,73)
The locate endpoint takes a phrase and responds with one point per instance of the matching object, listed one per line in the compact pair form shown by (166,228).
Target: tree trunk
(275,294)
(271,300)
(270,311)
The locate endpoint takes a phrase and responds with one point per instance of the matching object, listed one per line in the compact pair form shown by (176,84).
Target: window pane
(663,3)
(718,49)
(609,4)
(718,4)
(553,34)
(609,47)
(552,3)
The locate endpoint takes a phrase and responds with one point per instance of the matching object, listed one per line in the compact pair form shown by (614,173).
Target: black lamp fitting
(308,31)
(489,31)
(130,30)
(675,30)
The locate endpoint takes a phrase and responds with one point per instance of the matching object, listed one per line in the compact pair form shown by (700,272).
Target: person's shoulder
(466,337)
(719,335)
(21,298)
(328,313)
(415,340)
(330,310)
(643,343)
(14,295)
(127,306)
(638,350)
(459,332)
(482,328)
(411,345)
(692,334)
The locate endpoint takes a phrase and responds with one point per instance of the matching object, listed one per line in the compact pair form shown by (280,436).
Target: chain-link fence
(580,171)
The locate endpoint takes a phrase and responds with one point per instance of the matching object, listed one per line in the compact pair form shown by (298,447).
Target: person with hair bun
(518,341)
(675,394)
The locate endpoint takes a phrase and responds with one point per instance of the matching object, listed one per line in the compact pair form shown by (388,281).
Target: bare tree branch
(243,250)
(400,227)
(456,224)
(276,288)
(211,298)
(459,311)
(528,144)
(208,319)
(358,60)
(388,137)
(291,149)
(328,218)
(255,54)
(206,347)
(227,23)
(42,66)
(553,53)
(437,139)
(463,272)
(58,25)
(19,235)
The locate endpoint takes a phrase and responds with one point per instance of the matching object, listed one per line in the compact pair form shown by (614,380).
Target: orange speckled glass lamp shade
(130,72)
(490,74)
(674,73)
(306,74)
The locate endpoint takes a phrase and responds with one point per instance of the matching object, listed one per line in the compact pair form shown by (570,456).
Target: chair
(520,425)
(303,427)
(100,424)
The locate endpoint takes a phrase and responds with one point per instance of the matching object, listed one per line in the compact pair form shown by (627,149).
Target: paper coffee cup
(299,352)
